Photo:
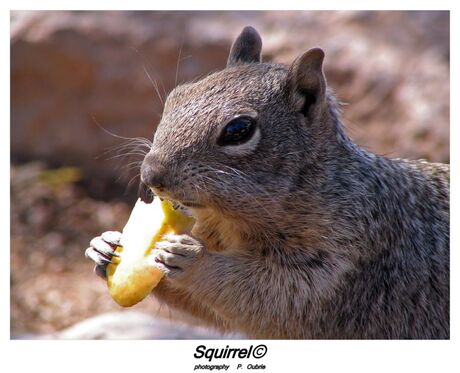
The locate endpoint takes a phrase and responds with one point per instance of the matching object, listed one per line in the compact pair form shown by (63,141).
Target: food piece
(131,277)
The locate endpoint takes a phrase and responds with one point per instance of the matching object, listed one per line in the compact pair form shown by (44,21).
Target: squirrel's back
(399,227)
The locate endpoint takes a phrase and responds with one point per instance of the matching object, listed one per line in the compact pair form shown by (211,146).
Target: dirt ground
(52,222)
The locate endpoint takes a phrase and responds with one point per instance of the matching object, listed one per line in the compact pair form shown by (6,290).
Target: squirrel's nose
(153,174)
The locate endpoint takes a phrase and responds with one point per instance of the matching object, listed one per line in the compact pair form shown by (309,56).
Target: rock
(74,72)
(131,325)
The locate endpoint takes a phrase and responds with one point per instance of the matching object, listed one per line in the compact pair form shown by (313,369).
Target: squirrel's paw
(176,255)
(102,249)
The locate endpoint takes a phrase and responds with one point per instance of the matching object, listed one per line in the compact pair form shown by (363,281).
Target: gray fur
(247,48)
(308,236)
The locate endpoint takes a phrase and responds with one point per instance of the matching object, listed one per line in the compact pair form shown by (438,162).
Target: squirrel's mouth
(185,207)
(182,202)
(190,204)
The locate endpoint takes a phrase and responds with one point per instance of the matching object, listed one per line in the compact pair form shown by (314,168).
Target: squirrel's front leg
(236,287)
(102,249)
(178,256)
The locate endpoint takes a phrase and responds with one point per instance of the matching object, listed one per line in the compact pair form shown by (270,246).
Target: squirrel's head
(236,139)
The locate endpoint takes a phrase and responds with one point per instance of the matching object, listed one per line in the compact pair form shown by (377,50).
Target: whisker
(136,147)
(243,176)
(114,134)
(251,198)
(132,166)
(132,179)
(178,61)
(131,145)
(126,155)
(154,84)
(153,81)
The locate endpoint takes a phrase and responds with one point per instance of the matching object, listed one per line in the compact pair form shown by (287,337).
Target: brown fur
(307,236)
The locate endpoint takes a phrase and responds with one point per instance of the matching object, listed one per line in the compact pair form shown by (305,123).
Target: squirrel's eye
(237,131)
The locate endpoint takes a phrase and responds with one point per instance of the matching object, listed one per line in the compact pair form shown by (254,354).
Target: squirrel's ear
(306,82)
(246,48)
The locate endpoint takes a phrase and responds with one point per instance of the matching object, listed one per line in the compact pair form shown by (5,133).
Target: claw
(96,256)
(112,238)
(103,247)
(100,271)
(106,252)
(104,261)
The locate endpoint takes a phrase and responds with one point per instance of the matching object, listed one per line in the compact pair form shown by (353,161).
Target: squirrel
(300,233)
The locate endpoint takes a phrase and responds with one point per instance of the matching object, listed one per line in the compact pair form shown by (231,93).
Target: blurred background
(76,76)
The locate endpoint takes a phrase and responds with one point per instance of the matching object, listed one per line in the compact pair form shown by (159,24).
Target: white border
(282,356)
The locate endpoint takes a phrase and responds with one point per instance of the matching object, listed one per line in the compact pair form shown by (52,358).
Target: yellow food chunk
(131,277)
